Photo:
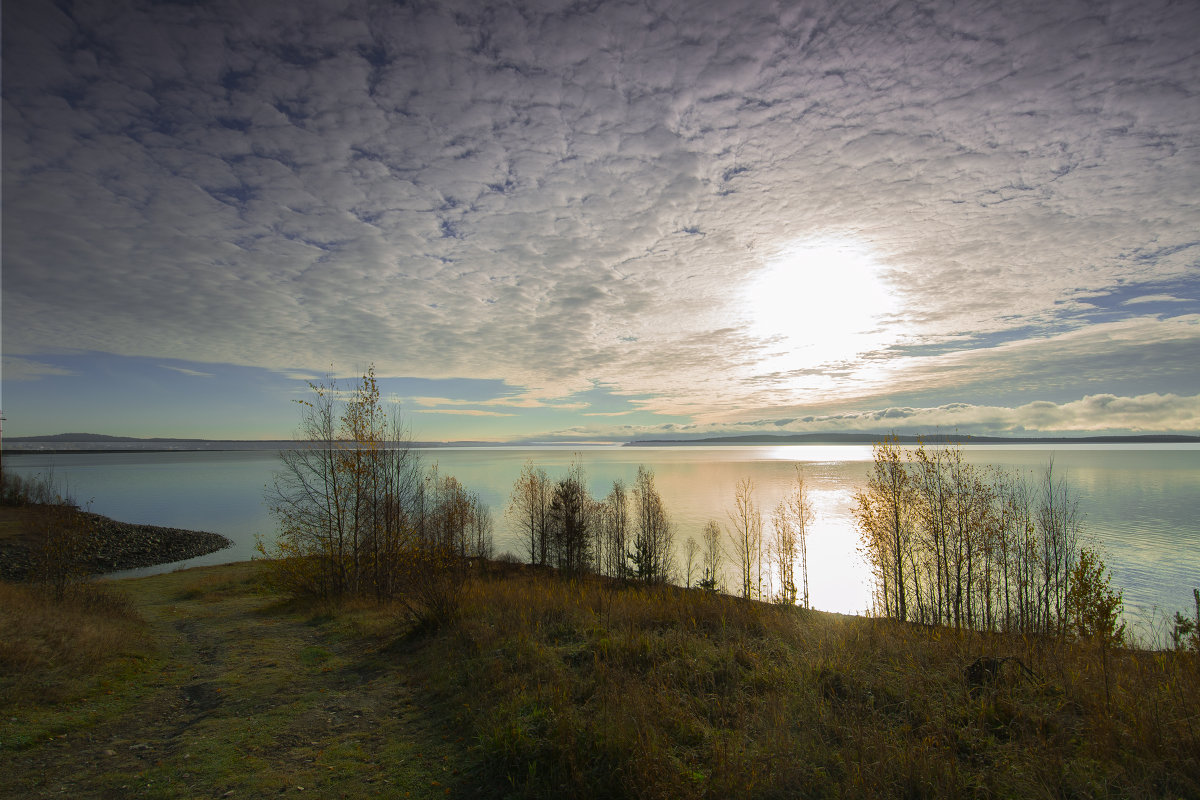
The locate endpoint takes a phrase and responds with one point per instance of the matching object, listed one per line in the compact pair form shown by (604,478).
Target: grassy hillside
(206,684)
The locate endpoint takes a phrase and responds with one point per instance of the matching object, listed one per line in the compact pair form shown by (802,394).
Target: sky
(599,221)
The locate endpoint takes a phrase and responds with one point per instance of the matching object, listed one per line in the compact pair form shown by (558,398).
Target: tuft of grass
(314,656)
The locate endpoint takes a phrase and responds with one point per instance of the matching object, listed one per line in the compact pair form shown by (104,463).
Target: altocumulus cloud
(555,195)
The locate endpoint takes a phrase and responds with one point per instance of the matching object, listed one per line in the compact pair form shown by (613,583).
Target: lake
(1141,502)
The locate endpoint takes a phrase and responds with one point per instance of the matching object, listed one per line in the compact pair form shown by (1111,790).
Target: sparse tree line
(771,564)
(951,543)
(358,516)
(629,535)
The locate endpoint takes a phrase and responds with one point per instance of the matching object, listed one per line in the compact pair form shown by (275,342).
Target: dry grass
(570,688)
(52,652)
(600,691)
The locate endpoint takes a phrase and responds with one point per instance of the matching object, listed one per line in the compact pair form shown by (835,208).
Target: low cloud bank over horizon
(1092,415)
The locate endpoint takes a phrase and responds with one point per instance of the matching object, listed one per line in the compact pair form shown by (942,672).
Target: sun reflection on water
(819,453)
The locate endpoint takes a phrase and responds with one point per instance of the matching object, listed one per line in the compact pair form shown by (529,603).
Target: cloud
(185,371)
(1059,366)
(453,190)
(24,369)
(307,377)
(464,412)
(524,401)
(1155,298)
(1093,414)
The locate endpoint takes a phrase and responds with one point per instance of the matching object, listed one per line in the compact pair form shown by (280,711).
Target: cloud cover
(558,195)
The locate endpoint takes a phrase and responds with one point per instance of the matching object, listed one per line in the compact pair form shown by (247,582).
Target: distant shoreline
(869,438)
(95,444)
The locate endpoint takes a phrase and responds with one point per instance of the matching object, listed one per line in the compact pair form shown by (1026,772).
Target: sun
(820,303)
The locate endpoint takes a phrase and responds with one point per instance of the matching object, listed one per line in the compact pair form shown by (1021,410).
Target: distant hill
(90,437)
(871,438)
(114,442)
(68,443)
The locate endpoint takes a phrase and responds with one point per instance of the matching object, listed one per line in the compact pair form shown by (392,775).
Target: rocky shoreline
(112,546)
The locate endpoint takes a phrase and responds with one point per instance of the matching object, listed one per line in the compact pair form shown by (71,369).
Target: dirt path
(249,699)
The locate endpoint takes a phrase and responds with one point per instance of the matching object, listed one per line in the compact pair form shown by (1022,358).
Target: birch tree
(712,558)
(789,543)
(652,531)
(745,533)
(529,507)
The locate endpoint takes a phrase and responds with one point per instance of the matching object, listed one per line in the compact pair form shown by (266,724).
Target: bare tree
(615,526)
(308,499)
(788,547)
(354,516)
(690,549)
(802,512)
(480,542)
(783,550)
(449,513)
(652,532)
(713,558)
(529,506)
(1058,527)
(746,535)
(884,522)
(931,485)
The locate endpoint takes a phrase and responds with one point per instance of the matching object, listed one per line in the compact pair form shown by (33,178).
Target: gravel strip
(114,546)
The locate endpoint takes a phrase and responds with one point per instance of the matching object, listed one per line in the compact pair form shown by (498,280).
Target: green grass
(229,689)
(542,687)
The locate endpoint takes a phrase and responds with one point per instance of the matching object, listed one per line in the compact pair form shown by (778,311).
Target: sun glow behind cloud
(820,302)
(563,215)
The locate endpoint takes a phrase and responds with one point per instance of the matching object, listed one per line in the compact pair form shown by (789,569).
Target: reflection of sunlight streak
(838,578)
(815,453)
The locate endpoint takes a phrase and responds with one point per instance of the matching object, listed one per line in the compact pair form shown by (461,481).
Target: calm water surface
(1141,503)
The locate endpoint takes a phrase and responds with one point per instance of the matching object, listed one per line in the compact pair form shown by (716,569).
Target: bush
(37,490)
(1185,633)
(1093,608)
(57,562)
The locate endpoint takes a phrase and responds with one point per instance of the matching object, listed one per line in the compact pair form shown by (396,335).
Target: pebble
(112,546)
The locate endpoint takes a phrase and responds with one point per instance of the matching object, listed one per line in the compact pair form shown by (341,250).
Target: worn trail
(249,698)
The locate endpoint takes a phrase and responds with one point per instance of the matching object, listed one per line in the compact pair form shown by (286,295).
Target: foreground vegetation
(381,651)
(204,682)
